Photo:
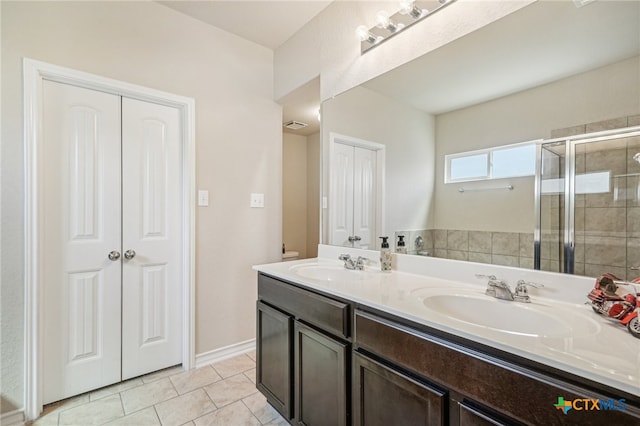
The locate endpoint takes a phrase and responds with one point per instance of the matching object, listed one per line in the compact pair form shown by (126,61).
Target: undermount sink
(535,319)
(322,272)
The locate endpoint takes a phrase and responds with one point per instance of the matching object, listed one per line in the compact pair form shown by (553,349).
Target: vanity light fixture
(388,26)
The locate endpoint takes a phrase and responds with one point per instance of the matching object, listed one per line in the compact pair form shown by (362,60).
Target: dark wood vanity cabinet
(303,353)
(395,372)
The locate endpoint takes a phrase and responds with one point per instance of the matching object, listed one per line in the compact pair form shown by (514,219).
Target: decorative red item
(617,300)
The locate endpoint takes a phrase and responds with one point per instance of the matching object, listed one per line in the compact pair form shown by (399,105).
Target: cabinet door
(382,396)
(320,378)
(274,356)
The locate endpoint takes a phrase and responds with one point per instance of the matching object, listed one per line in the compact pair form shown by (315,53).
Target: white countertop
(586,344)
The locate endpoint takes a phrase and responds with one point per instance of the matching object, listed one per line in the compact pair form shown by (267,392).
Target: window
(492,163)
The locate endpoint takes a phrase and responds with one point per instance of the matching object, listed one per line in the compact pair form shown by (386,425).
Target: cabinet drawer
(321,311)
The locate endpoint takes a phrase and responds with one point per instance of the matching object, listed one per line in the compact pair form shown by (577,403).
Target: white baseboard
(220,354)
(12,418)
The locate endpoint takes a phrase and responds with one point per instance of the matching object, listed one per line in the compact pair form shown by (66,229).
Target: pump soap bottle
(385,255)
(400,247)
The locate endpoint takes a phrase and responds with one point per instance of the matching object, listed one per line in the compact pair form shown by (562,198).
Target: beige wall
(408,136)
(300,193)
(294,193)
(231,80)
(609,92)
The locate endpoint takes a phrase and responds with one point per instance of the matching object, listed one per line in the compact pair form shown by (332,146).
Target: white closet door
(341,207)
(81,226)
(364,197)
(353,196)
(152,216)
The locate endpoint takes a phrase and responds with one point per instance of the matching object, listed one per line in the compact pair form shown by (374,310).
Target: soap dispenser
(385,255)
(400,247)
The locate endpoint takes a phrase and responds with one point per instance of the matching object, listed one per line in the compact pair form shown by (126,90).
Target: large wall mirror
(548,70)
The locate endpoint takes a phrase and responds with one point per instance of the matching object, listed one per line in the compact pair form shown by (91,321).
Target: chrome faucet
(349,263)
(500,289)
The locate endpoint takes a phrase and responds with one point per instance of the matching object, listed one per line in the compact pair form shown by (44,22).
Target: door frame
(380,150)
(34,73)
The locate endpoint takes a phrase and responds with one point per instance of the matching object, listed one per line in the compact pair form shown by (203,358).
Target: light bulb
(364,35)
(382,18)
(408,7)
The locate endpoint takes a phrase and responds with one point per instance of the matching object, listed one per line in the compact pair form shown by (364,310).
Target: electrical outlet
(257,200)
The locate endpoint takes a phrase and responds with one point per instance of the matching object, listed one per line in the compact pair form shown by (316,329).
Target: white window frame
(489,151)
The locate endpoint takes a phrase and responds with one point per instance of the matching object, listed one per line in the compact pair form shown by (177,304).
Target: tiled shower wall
(498,248)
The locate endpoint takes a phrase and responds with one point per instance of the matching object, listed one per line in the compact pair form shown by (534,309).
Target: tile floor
(223,393)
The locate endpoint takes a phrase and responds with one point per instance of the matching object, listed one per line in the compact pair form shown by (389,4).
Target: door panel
(342,195)
(81,225)
(364,197)
(152,217)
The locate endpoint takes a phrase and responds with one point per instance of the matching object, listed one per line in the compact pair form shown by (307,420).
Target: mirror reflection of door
(354,201)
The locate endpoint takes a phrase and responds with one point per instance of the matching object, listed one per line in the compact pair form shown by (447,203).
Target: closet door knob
(114,255)
(129,254)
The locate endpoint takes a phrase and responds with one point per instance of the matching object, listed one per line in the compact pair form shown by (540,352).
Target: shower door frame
(569,189)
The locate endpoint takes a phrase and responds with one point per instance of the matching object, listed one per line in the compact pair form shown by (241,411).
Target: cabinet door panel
(382,396)
(320,378)
(273,352)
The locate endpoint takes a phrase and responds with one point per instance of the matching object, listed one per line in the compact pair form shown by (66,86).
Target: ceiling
(266,22)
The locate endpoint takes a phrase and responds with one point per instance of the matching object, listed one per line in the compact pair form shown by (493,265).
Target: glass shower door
(588,204)
(607,206)
(549,234)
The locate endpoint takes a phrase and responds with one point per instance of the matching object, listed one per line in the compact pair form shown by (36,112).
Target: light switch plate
(257,200)
(203,197)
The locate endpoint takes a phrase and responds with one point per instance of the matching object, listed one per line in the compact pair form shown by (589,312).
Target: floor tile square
(184,408)
(146,417)
(232,366)
(229,390)
(258,405)
(236,414)
(147,395)
(194,379)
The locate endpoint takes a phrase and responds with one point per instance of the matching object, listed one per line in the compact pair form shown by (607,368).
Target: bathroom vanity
(339,347)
